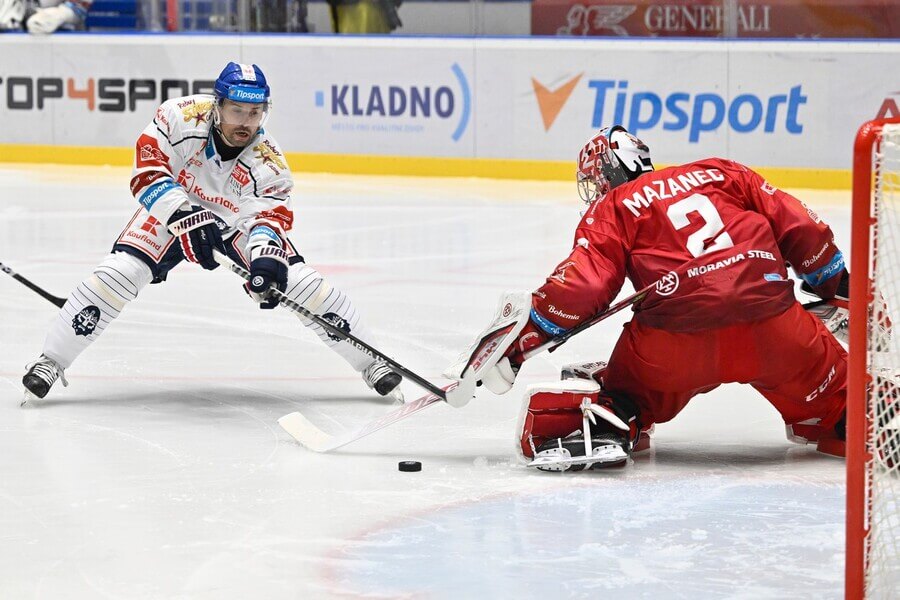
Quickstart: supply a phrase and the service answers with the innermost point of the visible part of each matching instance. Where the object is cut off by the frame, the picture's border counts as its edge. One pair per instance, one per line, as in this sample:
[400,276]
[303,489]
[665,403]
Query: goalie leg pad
[93,305]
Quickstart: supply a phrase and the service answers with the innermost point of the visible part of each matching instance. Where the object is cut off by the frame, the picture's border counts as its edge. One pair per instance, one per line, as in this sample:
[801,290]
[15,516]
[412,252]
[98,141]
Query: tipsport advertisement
[784,104]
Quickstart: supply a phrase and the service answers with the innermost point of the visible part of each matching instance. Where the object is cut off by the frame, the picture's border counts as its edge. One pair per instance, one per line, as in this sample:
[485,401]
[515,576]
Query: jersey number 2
[709,238]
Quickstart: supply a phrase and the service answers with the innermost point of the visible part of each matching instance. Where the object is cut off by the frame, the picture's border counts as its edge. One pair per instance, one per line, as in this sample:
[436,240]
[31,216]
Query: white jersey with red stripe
[176,163]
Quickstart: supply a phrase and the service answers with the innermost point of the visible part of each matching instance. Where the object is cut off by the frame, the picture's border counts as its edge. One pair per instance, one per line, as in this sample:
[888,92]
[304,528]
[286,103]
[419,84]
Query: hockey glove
[48,20]
[501,377]
[198,233]
[833,312]
[835,315]
[268,266]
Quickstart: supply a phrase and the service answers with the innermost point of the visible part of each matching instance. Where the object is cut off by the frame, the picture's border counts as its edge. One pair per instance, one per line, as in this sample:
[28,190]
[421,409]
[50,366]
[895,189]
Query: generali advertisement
[717,18]
[787,104]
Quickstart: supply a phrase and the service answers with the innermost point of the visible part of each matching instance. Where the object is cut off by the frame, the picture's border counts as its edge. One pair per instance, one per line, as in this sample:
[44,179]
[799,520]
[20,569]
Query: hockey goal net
[873,408]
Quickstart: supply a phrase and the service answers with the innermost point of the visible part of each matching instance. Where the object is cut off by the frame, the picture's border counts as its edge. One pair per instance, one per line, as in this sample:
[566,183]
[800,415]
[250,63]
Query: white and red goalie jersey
[176,164]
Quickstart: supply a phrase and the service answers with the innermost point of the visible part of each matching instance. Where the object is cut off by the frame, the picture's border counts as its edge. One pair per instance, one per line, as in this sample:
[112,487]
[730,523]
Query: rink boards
[499,107]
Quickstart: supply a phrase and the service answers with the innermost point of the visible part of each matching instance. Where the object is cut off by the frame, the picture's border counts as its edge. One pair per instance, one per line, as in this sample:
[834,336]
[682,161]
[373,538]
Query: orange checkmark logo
[550,102]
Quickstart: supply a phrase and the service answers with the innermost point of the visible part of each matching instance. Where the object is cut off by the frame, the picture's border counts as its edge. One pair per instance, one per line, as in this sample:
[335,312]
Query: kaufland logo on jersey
[696,112]
[398,108]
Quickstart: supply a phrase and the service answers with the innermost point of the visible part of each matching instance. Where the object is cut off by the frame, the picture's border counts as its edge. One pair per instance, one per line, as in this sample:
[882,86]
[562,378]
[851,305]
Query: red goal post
[873,425]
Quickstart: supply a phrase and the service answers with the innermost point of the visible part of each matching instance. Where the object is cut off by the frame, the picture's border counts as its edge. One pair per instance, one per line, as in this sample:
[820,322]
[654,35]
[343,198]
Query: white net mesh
[883,350]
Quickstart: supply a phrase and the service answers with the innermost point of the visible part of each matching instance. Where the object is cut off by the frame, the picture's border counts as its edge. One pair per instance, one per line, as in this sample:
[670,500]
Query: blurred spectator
[364,16]
[279,15]
[44,16]
[12,14]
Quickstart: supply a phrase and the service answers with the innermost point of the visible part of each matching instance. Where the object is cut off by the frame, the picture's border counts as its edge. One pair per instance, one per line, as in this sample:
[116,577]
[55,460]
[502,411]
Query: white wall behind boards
[777,104]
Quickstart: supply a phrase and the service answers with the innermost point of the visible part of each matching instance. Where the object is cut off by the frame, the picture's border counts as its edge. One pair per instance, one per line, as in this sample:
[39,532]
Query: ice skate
[570,453]
[379,377]
[41,376]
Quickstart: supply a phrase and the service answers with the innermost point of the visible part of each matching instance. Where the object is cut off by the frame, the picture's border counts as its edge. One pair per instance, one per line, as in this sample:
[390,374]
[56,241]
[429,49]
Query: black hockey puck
[410,466]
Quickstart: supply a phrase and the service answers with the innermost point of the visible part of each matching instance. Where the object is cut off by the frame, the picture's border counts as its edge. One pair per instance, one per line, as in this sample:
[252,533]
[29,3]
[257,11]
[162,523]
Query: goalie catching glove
[834,312]
[268,266]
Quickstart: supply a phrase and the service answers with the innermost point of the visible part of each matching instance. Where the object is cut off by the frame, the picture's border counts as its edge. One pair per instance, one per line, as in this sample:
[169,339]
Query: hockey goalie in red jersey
[717,239]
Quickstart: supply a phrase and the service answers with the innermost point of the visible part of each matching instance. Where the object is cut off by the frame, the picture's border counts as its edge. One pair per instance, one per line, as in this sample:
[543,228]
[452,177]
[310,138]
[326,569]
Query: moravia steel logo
[399,108]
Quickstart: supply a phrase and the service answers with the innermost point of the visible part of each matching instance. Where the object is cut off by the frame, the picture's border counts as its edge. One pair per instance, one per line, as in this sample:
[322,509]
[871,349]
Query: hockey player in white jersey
[43,16]
[207,176]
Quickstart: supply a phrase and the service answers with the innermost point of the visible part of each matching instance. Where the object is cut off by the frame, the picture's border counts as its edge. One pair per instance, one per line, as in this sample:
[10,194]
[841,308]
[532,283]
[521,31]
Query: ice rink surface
[160,472]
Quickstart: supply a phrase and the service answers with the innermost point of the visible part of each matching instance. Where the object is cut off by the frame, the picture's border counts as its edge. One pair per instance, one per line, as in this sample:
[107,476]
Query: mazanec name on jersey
[665,189]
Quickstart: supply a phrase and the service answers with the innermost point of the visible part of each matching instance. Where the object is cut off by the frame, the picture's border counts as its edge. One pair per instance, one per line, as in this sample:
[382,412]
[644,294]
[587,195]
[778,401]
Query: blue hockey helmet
[242,83]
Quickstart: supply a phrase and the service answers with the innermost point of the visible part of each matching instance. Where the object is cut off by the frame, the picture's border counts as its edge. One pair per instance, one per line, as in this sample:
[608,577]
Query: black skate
[41,376]
[568,454]
[383,380]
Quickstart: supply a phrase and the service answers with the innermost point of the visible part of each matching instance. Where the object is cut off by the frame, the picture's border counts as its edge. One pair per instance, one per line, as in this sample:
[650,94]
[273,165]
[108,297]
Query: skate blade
[605,455]
[26,397]
[397,395]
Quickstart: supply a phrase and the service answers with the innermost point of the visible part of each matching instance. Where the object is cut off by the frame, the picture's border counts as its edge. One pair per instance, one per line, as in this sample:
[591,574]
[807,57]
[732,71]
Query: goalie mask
[12,14]
[609,159]
[631,152]
[599,171]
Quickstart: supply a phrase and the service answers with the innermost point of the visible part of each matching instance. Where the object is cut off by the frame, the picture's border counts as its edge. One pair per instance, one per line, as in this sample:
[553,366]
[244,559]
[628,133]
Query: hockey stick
[554,343]
[351,339]
[317,440]
[33,287]
[313,438]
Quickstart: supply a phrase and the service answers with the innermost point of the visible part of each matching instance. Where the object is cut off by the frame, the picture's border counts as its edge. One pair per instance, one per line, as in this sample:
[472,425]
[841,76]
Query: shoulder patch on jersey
[269,155]
[198,111]
[149,154]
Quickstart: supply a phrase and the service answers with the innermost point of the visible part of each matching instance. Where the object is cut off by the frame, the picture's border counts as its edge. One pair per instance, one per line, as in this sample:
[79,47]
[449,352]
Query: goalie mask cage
[873,422]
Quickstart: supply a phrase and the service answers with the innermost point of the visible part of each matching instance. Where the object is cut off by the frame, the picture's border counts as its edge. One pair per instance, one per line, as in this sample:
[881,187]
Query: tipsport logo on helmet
[246,94]
[382,108]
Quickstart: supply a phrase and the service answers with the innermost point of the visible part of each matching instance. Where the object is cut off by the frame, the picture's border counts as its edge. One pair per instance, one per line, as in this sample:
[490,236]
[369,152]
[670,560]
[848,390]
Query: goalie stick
[554,343]
[33,287]
[357,343]
[313,438]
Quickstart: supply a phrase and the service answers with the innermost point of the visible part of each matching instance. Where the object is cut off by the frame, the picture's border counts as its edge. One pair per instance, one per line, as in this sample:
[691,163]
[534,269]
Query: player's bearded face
[239,121]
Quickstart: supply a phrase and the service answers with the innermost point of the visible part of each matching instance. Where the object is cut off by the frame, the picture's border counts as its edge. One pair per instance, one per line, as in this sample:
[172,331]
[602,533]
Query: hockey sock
[308,288]
[93,305]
